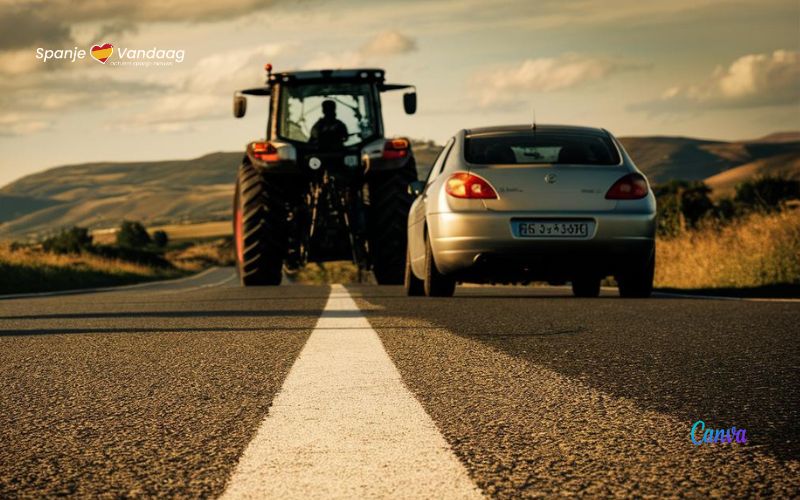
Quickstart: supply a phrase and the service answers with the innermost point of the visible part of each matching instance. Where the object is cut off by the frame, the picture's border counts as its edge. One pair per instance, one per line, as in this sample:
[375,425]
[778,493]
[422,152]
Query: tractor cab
[326,118]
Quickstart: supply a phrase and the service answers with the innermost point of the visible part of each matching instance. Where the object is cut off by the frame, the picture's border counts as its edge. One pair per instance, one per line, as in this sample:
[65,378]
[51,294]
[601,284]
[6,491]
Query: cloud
[23,26]
[18,62]
[62,92]
[12,124]
[752,80]
[384,44]
[40,22]
[546,74]
[389,43]
[205,92]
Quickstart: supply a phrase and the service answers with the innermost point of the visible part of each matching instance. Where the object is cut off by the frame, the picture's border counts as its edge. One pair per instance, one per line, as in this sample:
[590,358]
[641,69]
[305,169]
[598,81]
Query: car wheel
[435,283]
[586,287]
[413,285]
[637,280]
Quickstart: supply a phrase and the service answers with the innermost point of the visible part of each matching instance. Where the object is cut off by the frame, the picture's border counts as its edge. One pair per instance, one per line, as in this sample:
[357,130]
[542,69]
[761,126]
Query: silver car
[516,204]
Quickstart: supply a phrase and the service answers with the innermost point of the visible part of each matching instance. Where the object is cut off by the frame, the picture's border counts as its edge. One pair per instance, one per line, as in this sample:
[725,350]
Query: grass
[200,255]
[188,232]
[33,270]
[343,272]
[756,251]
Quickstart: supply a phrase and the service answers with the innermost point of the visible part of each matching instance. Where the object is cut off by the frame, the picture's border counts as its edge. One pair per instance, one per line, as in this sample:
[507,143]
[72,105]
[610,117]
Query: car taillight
[630,187]
[395,149]
[464,185]
[263,151]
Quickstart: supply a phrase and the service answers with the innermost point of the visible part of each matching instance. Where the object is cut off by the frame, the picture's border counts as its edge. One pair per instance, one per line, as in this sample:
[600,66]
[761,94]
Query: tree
[681,204]
[160,238]
[766,193]
[132,235]
[72,240]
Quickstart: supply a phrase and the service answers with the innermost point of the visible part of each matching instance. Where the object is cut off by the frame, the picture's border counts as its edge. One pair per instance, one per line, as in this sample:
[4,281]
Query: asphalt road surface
[199,388]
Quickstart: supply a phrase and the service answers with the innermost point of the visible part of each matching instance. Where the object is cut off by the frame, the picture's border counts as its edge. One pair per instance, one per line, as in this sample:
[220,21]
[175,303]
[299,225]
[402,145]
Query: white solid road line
[345,426]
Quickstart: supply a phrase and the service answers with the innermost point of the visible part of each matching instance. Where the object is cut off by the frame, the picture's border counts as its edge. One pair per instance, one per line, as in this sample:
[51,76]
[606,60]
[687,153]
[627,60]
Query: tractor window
[333,114]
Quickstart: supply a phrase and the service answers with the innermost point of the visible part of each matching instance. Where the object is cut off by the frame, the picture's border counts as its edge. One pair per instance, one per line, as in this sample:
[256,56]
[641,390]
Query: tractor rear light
[471,186]
[630,187]
[263,151]
[395,149]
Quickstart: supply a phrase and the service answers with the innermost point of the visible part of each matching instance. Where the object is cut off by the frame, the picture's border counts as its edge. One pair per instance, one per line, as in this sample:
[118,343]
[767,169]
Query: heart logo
[102,52]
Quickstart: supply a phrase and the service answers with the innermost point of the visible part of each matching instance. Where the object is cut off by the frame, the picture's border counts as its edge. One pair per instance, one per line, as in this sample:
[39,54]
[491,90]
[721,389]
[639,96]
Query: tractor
[325,184]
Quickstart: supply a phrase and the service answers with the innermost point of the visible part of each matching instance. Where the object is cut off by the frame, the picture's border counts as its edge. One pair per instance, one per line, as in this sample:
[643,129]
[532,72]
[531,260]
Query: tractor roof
[355,75]
[367,75]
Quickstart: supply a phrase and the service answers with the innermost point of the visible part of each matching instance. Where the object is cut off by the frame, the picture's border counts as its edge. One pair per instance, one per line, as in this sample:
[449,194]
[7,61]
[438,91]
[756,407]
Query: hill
[724,183]
[666,158]
[100,195]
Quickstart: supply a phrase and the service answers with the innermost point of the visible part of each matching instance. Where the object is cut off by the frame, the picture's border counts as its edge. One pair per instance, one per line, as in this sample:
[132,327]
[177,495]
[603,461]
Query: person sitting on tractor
[329,131]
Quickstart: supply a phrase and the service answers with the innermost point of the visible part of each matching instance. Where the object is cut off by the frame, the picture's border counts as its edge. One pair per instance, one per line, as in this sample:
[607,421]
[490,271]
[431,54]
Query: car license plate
[552,229]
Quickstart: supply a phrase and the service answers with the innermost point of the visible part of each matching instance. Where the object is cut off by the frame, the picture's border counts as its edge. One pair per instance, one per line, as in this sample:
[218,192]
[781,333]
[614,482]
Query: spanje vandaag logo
[101,53]
[106,53]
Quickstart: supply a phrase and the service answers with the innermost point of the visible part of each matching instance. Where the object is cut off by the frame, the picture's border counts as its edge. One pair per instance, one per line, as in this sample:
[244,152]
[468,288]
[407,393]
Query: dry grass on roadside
[202,255]
[343,272]
[759,250]
[32,270]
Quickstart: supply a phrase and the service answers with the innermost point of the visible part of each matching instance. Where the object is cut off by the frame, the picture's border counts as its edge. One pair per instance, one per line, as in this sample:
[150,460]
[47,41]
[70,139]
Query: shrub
[72,240]
[681,205]
[160,239]
[766,193]
[132,234]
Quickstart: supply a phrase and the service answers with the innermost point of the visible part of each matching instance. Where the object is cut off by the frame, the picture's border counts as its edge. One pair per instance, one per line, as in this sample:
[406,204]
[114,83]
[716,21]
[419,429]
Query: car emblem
[314,163]
[550,178]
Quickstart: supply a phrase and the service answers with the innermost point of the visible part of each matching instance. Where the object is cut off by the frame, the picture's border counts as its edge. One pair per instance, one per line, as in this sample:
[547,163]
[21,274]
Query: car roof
[539,128]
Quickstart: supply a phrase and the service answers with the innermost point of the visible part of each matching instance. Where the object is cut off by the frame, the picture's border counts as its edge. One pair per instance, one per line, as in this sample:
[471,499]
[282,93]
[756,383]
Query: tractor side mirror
[239,105]
[410,102]
[416,188]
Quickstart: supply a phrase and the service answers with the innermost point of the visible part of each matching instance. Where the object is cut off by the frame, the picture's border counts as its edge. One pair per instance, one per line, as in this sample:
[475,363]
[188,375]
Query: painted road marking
[344,425]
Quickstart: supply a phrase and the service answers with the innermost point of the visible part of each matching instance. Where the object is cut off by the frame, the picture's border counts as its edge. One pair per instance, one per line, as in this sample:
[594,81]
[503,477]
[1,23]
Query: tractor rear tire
[387,222]
[259,229]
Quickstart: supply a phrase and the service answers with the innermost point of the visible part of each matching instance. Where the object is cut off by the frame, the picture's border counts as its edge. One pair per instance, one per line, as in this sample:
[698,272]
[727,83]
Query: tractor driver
[329,131]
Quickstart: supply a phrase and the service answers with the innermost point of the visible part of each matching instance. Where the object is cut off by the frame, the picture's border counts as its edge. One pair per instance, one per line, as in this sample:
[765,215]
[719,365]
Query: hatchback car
[516,204]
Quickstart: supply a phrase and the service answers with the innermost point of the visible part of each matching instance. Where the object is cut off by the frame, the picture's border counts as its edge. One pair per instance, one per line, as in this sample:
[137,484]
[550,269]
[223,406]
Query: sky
[715,69]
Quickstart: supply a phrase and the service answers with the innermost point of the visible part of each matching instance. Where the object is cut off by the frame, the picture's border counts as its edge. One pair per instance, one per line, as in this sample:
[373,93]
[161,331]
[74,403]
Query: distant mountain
[780,137]
[665,158]
[100,195]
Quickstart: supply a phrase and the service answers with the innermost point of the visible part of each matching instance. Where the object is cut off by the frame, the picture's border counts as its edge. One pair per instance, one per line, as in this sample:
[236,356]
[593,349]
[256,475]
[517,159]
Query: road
[199,388]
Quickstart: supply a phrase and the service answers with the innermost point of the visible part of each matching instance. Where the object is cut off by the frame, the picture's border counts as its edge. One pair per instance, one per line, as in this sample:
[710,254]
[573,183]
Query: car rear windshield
[529,147]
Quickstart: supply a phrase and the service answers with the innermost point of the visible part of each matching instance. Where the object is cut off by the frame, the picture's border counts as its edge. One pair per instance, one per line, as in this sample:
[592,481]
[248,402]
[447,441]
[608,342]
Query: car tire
[414,286]
[435,283]
[586,287]
[637,280]
[387,219]
[259,230]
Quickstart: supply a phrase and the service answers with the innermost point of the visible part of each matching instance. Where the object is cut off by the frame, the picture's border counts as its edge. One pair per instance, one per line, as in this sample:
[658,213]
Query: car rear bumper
[480,246]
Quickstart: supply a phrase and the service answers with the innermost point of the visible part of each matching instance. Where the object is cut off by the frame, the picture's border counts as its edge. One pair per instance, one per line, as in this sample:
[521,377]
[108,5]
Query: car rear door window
[529,147]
